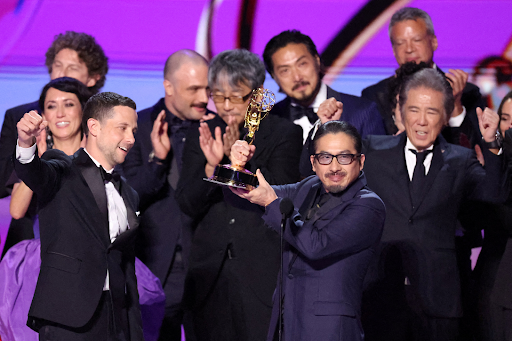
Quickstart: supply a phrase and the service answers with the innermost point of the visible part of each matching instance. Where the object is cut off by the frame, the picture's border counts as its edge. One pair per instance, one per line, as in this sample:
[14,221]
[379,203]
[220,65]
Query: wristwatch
[496,143]
[153,158]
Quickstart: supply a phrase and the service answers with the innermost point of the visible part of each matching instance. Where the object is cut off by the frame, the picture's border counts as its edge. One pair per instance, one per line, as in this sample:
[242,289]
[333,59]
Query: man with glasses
[234,260]
[153,168]
[330,238]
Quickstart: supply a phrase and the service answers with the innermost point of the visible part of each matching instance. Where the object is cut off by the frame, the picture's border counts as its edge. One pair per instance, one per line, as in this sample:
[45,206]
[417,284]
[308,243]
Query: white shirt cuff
[25,155]
[457,120]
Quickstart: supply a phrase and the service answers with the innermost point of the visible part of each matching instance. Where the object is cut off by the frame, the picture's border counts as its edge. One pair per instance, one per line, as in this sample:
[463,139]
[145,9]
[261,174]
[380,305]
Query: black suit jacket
[471,99]
[359,112]
[162,222]
[424,235]
[8,137]
[75,245]
[221,227]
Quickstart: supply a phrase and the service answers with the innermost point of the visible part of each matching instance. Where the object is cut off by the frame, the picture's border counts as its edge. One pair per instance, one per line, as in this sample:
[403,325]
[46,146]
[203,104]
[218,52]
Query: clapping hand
[159,136]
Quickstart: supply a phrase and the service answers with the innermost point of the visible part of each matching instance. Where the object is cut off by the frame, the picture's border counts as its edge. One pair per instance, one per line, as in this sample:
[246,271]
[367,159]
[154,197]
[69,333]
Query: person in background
[233,261]
[153,168]
[71,54]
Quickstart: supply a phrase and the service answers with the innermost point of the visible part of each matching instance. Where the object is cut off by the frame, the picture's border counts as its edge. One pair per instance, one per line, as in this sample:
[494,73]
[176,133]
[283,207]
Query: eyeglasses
[232,99]
[343,159]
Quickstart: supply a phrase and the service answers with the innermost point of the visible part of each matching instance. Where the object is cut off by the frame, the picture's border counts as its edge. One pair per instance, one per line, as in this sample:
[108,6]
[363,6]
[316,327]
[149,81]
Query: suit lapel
[435,167]
[92,177]
[400,177]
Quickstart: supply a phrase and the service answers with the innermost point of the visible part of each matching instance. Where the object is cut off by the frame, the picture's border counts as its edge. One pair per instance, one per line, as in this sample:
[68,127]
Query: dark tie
[113,177]
[319,202]
[418,176]
[297,112]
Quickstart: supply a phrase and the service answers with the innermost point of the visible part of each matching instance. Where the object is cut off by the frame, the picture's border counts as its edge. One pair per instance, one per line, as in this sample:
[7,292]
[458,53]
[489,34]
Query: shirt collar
[97,163]
[409,146]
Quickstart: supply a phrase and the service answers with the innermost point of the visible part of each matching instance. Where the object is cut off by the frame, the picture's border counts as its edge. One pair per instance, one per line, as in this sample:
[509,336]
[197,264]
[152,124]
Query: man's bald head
[186,84]
[178,58]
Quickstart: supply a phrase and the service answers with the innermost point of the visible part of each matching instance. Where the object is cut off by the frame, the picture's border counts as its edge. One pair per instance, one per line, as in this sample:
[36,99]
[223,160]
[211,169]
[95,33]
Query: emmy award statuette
[262,101]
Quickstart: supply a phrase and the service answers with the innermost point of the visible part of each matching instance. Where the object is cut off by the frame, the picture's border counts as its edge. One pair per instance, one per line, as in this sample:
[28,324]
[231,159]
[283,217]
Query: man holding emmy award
[336,223]
[234,260]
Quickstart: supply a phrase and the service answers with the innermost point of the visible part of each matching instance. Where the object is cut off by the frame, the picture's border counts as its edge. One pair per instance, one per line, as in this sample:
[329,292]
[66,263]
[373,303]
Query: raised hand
[457,79]
[29,127]
[231,135]
[330,110]
[159,137]
[241,153]
[488,121]
[262,195]
[213,148]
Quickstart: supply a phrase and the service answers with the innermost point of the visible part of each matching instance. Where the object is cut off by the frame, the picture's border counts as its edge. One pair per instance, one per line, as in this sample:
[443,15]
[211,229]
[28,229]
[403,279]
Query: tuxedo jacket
[75,245]
[359,112]
[162,223]
[471,99]
[424,234]
[325,259]
[8,137]
[225,233]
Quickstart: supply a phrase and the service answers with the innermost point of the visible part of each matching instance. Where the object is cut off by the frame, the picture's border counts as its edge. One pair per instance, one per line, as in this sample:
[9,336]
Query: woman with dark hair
[62,101]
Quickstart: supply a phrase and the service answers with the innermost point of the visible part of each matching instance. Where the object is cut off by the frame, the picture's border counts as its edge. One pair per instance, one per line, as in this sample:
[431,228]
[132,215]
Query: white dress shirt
[117,214]
[410,158]
[304,121]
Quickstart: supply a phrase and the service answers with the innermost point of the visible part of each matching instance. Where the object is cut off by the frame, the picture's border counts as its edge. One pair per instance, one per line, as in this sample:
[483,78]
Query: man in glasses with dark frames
[330,238]
[153,168]
[234,260]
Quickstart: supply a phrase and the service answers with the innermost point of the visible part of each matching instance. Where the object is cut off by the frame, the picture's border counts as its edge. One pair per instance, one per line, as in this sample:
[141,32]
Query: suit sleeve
[43,176]
[356,228]
[194,195]
[487,183]
[8,138]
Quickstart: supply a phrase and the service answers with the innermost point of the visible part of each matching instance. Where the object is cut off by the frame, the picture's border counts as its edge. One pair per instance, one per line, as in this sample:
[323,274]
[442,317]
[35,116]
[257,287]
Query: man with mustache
[331,237]
[153,168]
[86,289]
[291,58]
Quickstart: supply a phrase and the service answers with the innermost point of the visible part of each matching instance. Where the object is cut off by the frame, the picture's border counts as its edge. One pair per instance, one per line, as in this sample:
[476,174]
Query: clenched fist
[29,127]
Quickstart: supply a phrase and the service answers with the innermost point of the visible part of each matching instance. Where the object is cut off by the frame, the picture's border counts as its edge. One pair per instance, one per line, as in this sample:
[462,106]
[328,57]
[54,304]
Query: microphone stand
[281,277]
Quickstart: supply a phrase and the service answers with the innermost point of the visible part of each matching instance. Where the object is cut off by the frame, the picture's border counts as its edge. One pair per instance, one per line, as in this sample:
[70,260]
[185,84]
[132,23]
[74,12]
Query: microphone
[286,207]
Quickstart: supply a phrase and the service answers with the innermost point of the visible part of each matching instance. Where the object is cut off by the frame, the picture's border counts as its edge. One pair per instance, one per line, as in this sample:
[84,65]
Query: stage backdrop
[138,36]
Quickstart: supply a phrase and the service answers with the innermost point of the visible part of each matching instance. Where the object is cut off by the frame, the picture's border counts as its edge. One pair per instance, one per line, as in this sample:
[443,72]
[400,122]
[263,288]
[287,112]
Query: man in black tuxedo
[234,260]
[291,58]
[412,287]
[72,54]
[86,289]
[413,39]
[153,167]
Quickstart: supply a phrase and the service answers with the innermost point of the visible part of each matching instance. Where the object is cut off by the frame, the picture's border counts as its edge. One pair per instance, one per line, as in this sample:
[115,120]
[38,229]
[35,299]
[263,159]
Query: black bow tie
[297,112]
[113,177]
